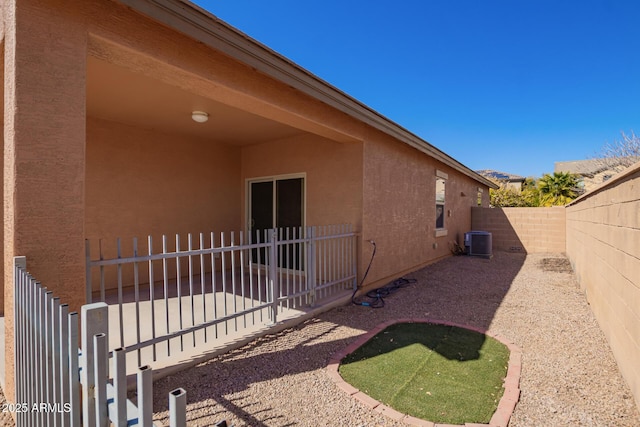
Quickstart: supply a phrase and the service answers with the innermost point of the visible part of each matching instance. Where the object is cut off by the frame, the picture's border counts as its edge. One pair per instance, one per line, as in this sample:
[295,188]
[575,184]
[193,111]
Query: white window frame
[441,176]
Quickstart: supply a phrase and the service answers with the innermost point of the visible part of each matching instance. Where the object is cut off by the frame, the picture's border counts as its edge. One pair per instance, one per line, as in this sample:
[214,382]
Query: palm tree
[557,189]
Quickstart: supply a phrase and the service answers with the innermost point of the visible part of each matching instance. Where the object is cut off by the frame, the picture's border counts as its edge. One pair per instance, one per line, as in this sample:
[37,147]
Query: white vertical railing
[49,365]
[311,266]
[220,285]
[274,289]
[94,321]
[46,355]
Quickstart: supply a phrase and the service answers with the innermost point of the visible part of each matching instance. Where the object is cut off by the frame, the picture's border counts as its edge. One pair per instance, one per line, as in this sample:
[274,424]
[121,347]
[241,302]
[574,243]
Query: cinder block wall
[522,229]
[603,244]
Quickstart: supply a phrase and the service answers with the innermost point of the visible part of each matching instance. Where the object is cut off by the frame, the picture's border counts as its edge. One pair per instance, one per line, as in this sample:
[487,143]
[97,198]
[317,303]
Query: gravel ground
[569,376]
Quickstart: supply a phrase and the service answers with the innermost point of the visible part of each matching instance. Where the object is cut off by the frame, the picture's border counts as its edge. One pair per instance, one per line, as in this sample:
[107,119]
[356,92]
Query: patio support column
[44,152]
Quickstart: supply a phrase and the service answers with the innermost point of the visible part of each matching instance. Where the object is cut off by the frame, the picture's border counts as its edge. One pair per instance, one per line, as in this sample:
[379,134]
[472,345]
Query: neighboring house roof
[588,167]
[594,172]
[205,27]
[625,174]
[500,176]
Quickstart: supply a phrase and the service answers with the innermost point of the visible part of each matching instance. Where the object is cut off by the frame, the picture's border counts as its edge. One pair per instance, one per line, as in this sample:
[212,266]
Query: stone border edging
[500,417]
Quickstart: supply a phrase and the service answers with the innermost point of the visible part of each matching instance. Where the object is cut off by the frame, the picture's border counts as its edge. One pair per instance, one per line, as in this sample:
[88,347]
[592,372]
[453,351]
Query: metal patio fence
[57,383]
[197,289]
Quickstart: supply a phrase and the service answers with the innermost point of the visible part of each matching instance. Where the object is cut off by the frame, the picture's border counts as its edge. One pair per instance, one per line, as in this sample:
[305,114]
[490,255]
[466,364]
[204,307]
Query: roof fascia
[205,27]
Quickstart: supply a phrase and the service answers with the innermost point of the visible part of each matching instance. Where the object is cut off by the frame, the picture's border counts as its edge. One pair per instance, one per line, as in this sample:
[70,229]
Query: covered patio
[151,170]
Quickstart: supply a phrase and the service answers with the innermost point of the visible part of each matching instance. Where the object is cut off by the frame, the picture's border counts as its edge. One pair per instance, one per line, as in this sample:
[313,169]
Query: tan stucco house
[591,173]
[504,179]
[99,141]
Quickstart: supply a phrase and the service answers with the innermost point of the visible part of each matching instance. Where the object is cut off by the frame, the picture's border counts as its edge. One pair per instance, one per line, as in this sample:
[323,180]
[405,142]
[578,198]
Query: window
[440,202]
[441,179]
[480,196]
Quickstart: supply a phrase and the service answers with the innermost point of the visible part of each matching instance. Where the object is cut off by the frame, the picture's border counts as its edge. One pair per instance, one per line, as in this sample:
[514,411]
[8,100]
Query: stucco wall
[527,230]
[399,208]
[603,244]
[140,182]
[44,141]
[2,156]
[333,175]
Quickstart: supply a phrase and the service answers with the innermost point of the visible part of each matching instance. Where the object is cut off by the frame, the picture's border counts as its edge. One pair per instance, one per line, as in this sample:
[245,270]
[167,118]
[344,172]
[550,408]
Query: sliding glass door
[277,203]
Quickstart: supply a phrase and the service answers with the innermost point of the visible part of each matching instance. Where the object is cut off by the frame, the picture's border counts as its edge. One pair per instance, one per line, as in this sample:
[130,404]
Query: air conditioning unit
[478,243]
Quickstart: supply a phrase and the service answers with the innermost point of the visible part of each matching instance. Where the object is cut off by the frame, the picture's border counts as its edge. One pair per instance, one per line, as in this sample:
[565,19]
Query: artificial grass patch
[440,373]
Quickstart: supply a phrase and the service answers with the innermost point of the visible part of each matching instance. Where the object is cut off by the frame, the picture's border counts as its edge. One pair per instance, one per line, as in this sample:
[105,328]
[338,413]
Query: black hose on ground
[376,296]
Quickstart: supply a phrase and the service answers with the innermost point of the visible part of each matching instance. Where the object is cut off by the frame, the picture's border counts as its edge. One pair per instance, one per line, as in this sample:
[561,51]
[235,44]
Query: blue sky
[511,85]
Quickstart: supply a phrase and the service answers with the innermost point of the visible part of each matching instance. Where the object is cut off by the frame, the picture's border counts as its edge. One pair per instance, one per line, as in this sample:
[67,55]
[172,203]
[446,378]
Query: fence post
[273,273]
[65,393]
[354,258]
[74,382]
[145,396]
[178,408]
[101,370]
[120,386]
[21,313]
[311,264]
[49,372]
[20,261]
[57,368]
[47,361]
[94,321]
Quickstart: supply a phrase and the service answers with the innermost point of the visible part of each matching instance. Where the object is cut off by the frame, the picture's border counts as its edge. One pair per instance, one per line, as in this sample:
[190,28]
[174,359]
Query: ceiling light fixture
[200,116]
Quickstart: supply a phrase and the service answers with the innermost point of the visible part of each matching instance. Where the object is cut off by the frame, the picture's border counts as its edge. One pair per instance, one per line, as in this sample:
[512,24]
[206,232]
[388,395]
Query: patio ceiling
[117,94]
